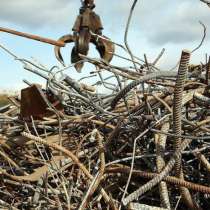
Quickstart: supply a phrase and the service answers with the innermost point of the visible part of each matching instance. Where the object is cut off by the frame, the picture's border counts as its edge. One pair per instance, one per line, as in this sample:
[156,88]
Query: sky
[156,24]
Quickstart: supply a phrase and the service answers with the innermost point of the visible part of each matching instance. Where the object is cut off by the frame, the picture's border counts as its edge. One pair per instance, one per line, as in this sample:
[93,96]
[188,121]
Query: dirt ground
[3,100]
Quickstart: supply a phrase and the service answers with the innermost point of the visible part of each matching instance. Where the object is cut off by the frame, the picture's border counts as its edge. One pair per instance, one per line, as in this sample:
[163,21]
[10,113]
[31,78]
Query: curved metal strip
[81,47]
[75,58]
[105,48]
[66,39]
[83,40]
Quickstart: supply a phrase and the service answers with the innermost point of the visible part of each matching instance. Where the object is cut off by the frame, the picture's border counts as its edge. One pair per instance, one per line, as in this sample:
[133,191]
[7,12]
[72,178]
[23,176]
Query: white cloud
[180,23]
[36,14]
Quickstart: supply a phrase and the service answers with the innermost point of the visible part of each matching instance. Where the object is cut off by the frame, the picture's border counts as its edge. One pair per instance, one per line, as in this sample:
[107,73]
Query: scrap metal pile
[141,143]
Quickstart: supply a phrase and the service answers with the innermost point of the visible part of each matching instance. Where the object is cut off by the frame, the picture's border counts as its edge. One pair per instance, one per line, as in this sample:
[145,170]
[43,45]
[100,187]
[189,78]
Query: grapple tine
[66,39]
[78,66]
[109,49]
[105,48]
[75,58]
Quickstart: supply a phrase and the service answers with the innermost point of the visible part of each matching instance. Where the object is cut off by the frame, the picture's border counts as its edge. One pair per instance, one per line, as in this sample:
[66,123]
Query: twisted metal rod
[100,174]
[135,83]
[160,162]
[149,185]
[168,179]
[177,123]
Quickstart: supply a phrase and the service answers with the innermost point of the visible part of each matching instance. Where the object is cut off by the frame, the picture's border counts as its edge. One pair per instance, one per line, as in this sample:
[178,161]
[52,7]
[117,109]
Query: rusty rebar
[133,196]
[160,147]
[177,120]
[169,179]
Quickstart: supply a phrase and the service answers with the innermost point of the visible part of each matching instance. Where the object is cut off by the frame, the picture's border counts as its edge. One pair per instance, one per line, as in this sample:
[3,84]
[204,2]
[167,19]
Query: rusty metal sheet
[35,103]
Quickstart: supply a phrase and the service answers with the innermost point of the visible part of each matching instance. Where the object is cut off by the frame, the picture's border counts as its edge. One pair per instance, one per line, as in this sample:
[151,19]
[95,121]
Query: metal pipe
[33,37]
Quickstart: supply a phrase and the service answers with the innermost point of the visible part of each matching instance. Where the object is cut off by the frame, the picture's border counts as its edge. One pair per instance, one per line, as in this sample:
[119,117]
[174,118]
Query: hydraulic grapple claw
[87,22]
